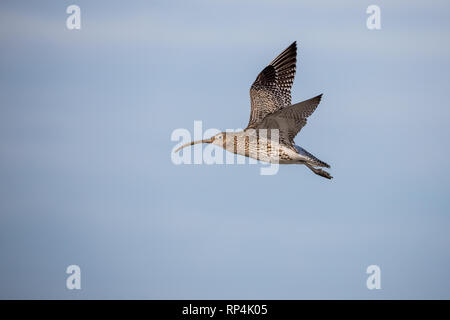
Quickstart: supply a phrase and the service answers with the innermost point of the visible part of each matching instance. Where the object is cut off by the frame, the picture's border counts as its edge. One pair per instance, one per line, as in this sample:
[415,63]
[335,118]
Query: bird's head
[218,139]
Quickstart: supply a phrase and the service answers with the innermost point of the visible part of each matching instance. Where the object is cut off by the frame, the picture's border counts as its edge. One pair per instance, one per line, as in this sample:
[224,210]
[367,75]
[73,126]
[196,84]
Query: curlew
[274,121]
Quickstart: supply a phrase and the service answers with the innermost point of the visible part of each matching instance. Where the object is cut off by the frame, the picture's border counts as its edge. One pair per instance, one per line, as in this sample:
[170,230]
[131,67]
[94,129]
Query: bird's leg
[319,172]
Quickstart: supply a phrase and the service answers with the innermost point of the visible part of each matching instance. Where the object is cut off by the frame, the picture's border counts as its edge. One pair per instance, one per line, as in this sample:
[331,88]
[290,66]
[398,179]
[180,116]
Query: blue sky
[86,175]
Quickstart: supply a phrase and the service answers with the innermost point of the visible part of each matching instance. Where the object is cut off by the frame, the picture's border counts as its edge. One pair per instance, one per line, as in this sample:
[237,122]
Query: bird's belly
[267,153]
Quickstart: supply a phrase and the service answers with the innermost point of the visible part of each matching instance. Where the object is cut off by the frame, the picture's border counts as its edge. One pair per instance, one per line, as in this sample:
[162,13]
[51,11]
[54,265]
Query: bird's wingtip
[319,97]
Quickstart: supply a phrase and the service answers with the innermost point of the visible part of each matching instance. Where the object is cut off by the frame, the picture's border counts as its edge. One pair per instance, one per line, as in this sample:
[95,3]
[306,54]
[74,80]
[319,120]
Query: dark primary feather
[271,90]
[290,120]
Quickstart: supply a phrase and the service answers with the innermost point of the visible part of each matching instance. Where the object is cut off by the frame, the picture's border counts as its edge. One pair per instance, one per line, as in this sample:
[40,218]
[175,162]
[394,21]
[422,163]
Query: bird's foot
[323,173]
[319,172]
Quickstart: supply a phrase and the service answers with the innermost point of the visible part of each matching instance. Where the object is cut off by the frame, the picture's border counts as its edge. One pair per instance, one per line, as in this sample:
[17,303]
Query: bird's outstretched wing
[271,90]
[290,120]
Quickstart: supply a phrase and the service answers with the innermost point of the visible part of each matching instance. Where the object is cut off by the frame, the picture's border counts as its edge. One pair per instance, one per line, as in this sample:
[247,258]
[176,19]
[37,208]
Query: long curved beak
[195,142]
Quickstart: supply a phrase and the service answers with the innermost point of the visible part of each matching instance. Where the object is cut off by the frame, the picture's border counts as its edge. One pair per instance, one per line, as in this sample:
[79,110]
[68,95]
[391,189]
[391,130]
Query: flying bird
[274,121]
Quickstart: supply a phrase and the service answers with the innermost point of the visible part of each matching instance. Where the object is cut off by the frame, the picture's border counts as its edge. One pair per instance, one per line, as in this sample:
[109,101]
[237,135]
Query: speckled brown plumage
[271,109]
[272,88]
